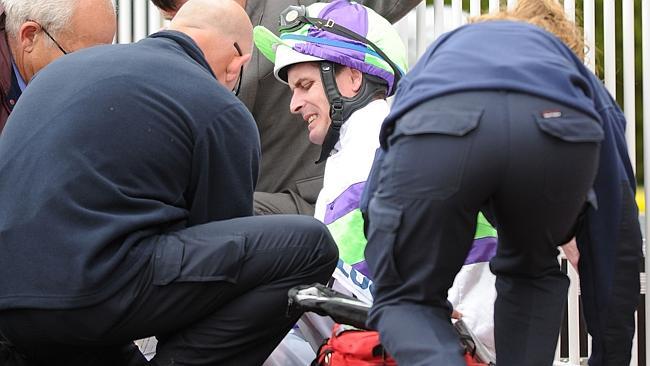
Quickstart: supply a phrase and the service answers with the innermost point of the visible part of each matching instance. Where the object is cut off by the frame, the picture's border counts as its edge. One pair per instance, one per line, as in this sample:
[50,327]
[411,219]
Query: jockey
[341,60]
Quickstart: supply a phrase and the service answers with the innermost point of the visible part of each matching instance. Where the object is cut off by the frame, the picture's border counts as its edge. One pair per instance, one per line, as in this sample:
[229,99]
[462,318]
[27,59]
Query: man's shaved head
[168,8]
[224,17]
[215,26]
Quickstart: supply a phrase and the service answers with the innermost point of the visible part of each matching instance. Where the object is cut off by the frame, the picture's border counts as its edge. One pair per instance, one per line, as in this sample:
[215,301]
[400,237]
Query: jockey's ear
[357,79]
[349,81]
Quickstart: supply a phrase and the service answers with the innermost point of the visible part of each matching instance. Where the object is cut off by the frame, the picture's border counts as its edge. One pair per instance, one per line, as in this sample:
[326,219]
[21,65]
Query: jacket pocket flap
[447,122]
[572,128]
[216,258]
[384,218]
[168,258]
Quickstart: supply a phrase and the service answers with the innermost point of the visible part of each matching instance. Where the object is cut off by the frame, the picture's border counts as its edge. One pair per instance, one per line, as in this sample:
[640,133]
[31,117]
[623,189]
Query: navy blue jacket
[108,146]
[515,56]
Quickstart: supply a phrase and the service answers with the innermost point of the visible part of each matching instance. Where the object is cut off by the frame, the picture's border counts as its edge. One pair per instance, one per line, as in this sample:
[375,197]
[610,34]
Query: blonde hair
[546,14]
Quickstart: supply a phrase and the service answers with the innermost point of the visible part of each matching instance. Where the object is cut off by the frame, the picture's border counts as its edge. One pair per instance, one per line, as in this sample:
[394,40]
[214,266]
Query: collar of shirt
[21,82]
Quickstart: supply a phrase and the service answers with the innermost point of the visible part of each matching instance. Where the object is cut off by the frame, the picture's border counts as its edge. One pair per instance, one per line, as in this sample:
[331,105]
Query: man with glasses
[34,33]
[289,179]
[127,202]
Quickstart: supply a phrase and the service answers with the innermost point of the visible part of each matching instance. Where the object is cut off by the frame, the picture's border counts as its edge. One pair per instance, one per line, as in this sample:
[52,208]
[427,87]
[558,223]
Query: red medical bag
[349,346]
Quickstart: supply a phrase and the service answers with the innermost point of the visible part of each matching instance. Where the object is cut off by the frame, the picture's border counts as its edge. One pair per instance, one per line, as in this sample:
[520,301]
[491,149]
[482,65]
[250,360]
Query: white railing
[138,18]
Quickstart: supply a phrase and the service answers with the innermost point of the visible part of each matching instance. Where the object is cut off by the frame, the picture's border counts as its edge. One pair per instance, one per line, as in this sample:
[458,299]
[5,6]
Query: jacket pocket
[199,259]
[580,128]
[453,122]
[168,257]
[380,250]
[419,135]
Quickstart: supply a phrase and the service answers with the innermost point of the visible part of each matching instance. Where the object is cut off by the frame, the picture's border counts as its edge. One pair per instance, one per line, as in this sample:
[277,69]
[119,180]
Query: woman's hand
[571,253]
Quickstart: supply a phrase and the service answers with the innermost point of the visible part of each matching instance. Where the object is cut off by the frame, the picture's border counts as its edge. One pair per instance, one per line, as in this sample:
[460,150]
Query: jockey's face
[309,98]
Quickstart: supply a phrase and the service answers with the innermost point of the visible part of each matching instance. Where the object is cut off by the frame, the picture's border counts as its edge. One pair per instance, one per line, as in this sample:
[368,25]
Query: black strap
[340,107]
[336,110]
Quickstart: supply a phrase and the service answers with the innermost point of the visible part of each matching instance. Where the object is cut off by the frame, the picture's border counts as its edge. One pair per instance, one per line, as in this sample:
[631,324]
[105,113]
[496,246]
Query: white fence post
[573,316]
[124,34]
[438,18]
[494,6]
[420,29]
[589,16]
[570,9]
[629,93]
[609,34]
[474,8]
[645,30]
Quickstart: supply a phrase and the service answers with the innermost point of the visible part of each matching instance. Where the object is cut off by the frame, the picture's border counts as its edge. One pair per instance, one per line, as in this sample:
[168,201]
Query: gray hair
[53,15]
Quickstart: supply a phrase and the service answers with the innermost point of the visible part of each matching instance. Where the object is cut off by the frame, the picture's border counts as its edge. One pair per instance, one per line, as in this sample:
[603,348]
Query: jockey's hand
[455,314]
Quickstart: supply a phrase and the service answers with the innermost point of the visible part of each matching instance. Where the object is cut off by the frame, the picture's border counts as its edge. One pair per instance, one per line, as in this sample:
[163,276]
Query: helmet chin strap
[341,107]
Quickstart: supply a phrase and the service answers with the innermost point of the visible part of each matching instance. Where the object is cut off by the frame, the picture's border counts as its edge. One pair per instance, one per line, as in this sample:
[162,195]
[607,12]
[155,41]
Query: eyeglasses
[241,70]
[49,35]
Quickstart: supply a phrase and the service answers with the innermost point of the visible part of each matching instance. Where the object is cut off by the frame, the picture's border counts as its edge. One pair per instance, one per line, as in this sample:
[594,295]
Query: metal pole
[155,19]
[570,9]
[629,93]
[573,318]
[474,8]
[139,20]
[589,11]
[609,33]
[456,13]
[438,18]
[645,30]
[124,22]
[494,6]
[420,29]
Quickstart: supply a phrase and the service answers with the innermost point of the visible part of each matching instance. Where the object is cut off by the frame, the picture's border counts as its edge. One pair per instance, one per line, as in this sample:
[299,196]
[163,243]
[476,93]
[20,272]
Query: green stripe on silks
[347,231]
[483,228]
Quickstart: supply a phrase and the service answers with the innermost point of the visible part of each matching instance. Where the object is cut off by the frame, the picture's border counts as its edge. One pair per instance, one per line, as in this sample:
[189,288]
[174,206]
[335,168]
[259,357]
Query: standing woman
[502,116]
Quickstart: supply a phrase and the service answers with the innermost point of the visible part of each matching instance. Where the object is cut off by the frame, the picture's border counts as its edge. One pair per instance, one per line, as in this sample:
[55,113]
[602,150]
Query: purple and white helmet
[301,41]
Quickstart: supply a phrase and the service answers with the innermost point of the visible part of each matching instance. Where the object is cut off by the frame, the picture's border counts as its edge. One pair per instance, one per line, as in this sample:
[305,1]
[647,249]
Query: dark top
[141,140]
[499,55]
[515,56]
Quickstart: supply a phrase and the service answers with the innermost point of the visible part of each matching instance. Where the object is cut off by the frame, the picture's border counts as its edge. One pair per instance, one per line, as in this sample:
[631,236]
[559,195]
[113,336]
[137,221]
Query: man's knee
[317,234]
[314,235]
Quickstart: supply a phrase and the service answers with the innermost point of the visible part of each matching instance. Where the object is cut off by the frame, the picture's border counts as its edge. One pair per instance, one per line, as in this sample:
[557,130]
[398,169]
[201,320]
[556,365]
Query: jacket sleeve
[390,9]
[224,168]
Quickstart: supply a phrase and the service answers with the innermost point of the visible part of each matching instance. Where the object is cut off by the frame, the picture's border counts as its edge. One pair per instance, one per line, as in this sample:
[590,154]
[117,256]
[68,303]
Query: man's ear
[27,35]
[357,79]
[234,67]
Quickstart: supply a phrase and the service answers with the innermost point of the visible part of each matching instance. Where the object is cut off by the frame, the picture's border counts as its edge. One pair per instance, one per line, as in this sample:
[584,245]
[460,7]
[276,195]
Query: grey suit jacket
[287,155]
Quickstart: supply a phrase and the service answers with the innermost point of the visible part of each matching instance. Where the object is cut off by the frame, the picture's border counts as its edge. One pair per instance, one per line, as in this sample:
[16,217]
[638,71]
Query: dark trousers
[529,163]
[214,294]
[609,282]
